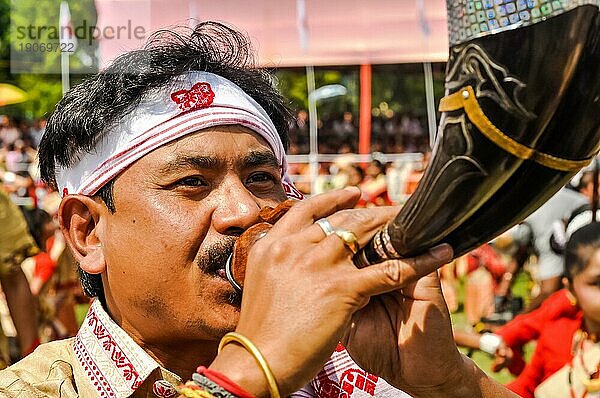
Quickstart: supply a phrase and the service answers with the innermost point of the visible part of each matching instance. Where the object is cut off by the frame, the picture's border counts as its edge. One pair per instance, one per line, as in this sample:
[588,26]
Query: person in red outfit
[579,377]
[374,185]
[506,343]
[553,325]
[557,325]
[42,228]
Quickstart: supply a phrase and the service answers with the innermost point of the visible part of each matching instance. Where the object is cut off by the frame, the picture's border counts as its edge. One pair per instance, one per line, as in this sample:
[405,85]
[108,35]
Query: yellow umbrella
[10,94]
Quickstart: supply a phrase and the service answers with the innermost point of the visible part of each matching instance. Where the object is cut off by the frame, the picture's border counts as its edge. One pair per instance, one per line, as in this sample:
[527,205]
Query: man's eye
[261,178]
[191,182]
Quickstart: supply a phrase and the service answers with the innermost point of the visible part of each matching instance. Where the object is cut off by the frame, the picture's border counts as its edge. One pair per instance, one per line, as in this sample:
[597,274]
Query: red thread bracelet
[224,382]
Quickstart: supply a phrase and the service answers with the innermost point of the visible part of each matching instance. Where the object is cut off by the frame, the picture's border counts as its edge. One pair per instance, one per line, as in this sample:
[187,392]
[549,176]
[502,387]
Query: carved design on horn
[471,65]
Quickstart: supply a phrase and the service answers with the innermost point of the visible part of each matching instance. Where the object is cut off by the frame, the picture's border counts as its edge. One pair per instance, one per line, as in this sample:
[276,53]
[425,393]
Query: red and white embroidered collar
[114,363]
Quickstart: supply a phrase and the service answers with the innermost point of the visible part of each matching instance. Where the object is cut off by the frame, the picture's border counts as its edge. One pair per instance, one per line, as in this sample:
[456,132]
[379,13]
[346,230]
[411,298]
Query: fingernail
[442,252]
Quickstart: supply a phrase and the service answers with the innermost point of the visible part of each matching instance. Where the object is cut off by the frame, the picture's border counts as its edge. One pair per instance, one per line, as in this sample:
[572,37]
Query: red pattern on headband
[199,96]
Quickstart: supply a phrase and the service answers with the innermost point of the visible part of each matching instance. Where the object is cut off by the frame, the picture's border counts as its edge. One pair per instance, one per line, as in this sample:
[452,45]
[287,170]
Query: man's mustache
[215,257]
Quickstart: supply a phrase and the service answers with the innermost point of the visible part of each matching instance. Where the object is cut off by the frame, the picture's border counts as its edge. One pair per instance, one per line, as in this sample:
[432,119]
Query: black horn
[519,118]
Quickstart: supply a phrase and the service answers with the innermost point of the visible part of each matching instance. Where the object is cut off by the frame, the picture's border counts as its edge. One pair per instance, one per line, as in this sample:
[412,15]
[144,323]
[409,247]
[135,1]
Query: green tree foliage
[401,87]
[292,83]
[4,42]
[398,87]
[24,26]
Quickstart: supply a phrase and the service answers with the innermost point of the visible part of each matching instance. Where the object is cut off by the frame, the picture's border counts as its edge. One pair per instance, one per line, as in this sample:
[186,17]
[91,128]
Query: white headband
[194,101]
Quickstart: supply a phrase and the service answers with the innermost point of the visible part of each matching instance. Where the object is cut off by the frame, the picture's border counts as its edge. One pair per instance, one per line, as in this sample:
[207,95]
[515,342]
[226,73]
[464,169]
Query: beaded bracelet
[210,386]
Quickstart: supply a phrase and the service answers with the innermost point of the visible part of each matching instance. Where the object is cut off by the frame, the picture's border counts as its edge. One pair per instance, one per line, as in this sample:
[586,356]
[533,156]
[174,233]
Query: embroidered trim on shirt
[96,377]
[115,364]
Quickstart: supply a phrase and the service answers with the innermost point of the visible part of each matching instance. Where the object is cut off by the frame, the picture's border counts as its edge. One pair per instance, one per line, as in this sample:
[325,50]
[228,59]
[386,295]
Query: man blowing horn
[163,160]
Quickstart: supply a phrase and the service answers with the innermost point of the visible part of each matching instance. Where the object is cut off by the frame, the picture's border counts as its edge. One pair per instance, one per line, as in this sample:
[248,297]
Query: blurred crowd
[338,133]
[38,275]
[382,183]
[18,152]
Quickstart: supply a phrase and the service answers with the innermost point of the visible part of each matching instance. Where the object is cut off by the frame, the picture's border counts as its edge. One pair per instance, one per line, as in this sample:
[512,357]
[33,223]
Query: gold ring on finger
[349,239]
[325,226]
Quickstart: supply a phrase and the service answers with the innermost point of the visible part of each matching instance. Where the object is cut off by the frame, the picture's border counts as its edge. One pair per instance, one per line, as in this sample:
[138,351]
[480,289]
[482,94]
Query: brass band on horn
[465,98]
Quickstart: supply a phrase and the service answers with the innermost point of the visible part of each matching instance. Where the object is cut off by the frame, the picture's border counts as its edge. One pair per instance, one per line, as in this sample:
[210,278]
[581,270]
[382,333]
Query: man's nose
[237,210]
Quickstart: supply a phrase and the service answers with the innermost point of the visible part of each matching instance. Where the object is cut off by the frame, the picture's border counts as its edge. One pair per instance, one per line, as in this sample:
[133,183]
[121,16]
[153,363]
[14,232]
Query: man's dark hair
[581,248]
[88,111]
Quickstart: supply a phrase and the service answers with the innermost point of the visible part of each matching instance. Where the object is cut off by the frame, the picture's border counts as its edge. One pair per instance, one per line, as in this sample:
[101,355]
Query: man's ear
[79,216]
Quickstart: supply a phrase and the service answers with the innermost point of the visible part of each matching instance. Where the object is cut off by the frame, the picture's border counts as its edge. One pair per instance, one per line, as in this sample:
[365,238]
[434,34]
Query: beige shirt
[15,241]
[101,361]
